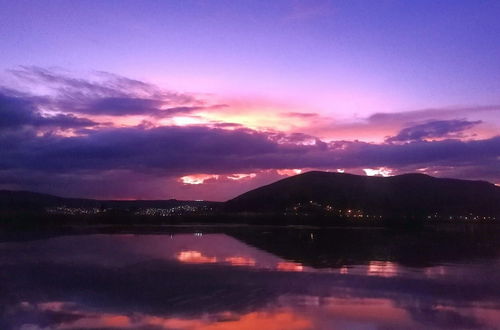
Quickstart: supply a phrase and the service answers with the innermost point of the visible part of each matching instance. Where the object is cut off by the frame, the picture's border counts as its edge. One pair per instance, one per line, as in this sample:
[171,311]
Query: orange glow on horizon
[289,172]
[239,176]
[381,171]
[198,178]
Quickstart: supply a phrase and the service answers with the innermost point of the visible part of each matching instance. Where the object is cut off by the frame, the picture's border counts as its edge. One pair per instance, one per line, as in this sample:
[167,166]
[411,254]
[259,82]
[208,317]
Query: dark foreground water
[252,278]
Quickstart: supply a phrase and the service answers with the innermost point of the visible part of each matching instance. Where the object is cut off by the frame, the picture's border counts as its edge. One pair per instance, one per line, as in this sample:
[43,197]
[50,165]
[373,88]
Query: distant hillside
[412,194]
[25,200]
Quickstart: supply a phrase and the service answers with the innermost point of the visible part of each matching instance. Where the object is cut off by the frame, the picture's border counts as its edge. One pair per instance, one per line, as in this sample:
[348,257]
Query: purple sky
[207,99]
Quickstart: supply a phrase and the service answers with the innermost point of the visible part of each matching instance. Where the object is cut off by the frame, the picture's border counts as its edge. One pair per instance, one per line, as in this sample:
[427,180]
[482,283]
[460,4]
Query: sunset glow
[249,101]
[380,171]
[289,172]
[198,178]
[249,164]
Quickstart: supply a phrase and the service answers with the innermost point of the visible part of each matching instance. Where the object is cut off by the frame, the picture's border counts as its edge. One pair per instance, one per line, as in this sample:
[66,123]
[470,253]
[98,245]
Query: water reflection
[246,279]
[194,257]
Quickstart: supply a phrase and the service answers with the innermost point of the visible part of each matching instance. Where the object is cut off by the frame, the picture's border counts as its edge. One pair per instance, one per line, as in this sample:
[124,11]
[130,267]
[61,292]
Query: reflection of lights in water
[289,266]
[240,261]
[328,300]
[194,257]
[382,268]
[344,270]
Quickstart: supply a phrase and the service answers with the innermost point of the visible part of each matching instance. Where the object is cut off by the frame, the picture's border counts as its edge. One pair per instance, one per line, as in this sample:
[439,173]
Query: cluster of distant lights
[345,213]
[470,216]
[164,212]
[161,212]
[74,210]
[298,209]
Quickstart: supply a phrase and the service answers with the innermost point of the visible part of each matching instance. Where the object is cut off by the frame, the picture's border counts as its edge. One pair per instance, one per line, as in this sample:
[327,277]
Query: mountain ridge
[407,193]
[22,199]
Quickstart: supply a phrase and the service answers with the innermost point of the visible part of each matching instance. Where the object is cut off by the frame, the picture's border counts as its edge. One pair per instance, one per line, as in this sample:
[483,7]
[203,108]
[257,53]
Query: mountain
[26,200]
[408,194]
[314,192]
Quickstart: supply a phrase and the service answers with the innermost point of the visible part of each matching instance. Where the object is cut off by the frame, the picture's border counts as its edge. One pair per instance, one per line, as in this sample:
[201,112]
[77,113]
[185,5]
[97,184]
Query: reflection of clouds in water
[289,266]
[120,250]
[275,318]
[289,312]
[194,257]
[346,312]
[240,261]
[152,288]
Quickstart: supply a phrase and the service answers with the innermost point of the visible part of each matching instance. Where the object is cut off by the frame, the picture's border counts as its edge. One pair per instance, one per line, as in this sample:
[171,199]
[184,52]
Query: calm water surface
[258,278]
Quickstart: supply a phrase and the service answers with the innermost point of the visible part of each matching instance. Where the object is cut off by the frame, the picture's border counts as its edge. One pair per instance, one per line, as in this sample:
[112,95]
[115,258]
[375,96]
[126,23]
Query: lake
[240,277]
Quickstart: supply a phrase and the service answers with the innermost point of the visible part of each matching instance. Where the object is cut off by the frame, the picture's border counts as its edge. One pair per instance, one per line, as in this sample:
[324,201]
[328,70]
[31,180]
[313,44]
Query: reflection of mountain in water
[340,247]
[146,287]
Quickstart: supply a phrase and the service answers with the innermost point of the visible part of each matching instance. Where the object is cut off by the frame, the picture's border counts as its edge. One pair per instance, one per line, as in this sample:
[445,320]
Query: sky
[208,99]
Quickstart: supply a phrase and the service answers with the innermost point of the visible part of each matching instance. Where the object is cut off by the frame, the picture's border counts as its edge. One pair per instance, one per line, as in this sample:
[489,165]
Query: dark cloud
[106,84]
[109,95]
[120,106]
[124,106]
[193,149]
[433,129]
[429,114]
[30,145]
[17,112]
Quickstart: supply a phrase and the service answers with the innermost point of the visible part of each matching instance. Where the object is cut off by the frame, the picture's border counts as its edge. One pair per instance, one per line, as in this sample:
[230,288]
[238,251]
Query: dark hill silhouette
[409,194]
[26,200]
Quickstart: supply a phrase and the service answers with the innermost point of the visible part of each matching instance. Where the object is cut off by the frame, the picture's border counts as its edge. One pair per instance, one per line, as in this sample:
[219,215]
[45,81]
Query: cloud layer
[433,129]
[57,140]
